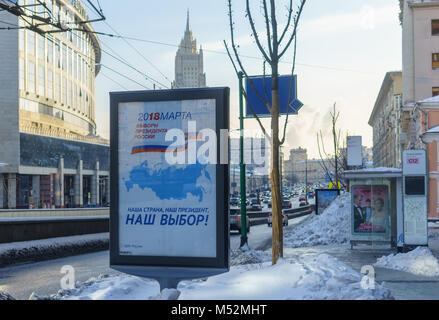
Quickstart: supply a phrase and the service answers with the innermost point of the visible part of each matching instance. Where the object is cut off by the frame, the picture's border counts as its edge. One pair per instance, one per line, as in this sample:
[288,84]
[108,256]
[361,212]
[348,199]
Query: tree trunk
[277,231]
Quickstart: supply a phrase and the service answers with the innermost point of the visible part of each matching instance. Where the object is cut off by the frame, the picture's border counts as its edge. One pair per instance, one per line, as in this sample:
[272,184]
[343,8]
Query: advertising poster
[370,210]
[167,186]
[324,198]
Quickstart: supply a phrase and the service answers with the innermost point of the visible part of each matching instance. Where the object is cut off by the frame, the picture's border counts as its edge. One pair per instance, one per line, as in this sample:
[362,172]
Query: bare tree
[334,163]
[277,44]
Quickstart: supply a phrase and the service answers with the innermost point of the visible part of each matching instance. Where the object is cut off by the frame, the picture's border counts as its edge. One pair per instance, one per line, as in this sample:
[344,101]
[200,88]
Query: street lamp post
[306,179]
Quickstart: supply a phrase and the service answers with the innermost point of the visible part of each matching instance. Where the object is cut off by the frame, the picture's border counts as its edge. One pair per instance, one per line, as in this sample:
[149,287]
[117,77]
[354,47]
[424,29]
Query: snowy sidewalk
[403,285]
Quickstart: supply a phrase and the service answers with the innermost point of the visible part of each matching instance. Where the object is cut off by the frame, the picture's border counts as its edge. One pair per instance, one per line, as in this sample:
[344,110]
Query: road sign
[168,221]
[265,91]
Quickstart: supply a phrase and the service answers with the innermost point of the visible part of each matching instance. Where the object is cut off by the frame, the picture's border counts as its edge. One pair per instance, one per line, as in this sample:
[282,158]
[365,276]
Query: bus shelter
[376,206]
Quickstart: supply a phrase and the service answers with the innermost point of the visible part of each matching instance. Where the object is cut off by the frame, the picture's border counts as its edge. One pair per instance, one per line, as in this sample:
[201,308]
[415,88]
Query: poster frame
[317,191]
[158,266]
[371,236]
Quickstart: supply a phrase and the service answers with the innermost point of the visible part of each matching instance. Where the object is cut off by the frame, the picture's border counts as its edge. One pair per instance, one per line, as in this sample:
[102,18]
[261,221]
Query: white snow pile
[331,227]
[309,278]
[245,255]
[419,261]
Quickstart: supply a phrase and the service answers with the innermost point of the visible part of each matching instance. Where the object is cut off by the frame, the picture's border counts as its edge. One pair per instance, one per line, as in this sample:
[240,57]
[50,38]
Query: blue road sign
[265,91]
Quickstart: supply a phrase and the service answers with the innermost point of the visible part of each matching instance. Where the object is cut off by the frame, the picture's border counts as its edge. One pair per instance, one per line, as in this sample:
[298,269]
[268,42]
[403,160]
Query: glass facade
[41,151]
[58,70]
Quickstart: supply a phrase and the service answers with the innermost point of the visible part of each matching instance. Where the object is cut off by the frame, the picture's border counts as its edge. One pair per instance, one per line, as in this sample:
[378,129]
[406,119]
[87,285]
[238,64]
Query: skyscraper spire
[187,21]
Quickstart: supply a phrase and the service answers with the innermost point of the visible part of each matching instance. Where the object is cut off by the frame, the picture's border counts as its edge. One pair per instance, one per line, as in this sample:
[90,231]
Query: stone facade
[189,66]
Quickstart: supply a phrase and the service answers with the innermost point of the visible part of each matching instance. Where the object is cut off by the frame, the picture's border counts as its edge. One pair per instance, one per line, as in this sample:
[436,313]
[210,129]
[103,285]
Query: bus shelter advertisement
[370,212]
[167,185]
[324,198]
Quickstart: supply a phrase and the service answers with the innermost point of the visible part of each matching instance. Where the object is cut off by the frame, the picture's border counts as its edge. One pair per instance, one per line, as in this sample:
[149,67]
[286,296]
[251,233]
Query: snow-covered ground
[331,227]
[311,277]
[252,275]
[419,261]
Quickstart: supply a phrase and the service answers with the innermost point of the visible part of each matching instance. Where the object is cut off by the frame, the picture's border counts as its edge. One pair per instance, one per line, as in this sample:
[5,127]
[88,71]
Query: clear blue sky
[344,50]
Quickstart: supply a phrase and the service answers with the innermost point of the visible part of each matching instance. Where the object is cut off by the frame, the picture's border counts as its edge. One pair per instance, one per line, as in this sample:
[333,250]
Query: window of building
[70,95]
[435,91]
[75,65]
[75,94]
[64,57]
[31,77]
[64,90]
[70,61]
[30,42]
[58,54]
[57,88]
[435,27]
[41,80]
[49,51]
[21,74]
[435,61]
[41,47]
[49,84]
[21,39]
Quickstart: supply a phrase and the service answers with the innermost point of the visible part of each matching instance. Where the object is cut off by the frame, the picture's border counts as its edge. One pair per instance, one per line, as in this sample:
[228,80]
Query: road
[44,278]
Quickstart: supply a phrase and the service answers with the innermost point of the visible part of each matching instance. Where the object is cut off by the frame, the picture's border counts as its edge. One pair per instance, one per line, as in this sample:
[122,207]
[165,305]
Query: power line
[111,69]
[116,82]
[144,58]
[123,61]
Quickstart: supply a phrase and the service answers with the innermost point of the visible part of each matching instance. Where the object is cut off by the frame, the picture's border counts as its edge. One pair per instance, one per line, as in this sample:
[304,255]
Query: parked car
[235,220]
[302,198]
[286,204]
[234,202]
[303,203]
[284,220]
[254,205]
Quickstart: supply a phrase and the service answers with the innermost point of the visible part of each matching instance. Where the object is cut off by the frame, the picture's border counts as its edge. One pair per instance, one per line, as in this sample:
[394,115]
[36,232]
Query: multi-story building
[420,49]
[189,67]
[49,150]
[296,155]
[312,170]
[385,121]
[256,160]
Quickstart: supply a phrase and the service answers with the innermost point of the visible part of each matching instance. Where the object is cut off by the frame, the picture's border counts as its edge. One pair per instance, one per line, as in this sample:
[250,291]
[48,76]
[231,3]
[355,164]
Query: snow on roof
[433,130]
[373,170]
[434,99]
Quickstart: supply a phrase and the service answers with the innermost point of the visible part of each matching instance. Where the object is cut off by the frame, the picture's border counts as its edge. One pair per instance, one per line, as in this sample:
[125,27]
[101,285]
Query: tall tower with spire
[189,68]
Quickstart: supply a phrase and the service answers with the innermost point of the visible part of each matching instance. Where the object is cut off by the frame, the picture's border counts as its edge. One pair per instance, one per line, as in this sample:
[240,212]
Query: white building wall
[9,121]
[418,45]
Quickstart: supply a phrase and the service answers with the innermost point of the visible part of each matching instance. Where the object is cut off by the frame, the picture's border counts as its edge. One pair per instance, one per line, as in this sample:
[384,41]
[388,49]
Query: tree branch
[287,26]
[296,23]
[255,33]
[267,104]
[289,93]
[267,26]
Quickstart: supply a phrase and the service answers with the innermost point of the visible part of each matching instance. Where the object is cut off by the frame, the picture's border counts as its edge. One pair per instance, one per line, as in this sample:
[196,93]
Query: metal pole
[306,179]
[242,165]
